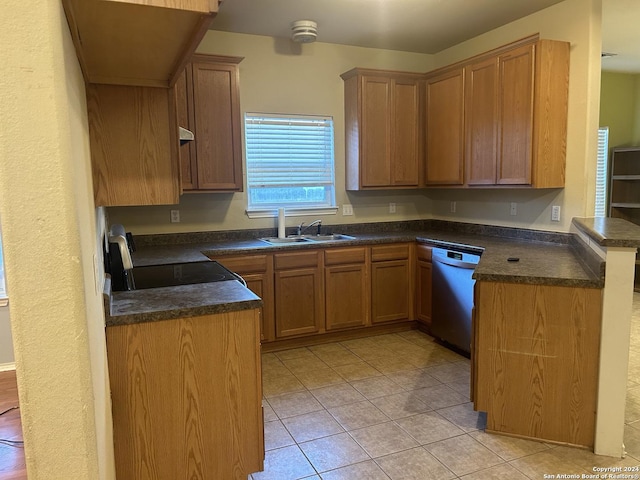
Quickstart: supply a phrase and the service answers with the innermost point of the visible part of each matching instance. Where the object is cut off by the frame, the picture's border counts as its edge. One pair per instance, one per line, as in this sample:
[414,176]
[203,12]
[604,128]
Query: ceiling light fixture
[304,31]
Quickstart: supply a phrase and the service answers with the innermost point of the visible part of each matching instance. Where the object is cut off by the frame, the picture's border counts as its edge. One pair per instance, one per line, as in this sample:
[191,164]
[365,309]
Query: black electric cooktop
[154,276]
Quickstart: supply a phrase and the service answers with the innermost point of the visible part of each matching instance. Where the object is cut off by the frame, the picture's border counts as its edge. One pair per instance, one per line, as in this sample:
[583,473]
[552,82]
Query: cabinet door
[217,126]
[184,111]
[299,302]
[444,128]
[376,136]
[390,294]
[133,150]
[405,133]
[257,271]
[515,104]
[262,285]
[347,296]
[481,122]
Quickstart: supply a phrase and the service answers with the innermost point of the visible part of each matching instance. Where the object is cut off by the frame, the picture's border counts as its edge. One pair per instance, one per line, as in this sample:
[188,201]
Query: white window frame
[601,200]
[252,154]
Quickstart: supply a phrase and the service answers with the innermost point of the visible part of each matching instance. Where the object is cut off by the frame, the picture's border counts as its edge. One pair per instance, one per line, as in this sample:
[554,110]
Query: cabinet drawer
[296,260]
[340,256]
[389,252]
[248,264]
[423,252]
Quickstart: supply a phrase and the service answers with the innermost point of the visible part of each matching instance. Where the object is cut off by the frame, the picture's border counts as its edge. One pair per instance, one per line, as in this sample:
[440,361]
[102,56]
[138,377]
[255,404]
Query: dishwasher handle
[453,262]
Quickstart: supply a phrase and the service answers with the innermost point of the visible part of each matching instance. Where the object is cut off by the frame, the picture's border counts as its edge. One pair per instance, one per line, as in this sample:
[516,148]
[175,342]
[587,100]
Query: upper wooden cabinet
[382,128]
[444,95]
[497,119]
[137,42]
[208,104]
[516,103]
[134,145]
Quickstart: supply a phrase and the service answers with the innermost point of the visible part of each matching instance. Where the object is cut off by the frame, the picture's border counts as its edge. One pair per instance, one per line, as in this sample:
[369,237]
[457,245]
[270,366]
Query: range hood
[185,135]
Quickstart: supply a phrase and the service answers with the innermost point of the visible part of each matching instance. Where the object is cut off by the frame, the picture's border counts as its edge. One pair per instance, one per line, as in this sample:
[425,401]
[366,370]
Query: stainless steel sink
[284,241]
[329,238]
[296,239]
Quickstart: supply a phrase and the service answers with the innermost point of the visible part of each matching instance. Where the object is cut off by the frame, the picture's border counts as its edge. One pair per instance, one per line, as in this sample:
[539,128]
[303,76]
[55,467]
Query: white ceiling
[422,26]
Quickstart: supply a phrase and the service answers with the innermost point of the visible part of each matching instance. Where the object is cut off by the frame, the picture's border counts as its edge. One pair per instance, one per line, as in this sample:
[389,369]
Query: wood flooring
[12,463]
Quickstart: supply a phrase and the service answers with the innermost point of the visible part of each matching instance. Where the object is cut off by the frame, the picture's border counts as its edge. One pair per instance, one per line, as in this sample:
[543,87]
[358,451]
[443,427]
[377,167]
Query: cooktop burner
[154,276]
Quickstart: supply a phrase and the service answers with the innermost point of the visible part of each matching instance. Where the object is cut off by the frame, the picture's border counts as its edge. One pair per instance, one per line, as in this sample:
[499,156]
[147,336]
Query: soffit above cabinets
[137,42]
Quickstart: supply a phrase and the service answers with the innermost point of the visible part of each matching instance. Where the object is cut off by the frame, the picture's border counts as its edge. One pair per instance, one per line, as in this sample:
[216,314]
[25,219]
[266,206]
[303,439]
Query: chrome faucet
[302,228]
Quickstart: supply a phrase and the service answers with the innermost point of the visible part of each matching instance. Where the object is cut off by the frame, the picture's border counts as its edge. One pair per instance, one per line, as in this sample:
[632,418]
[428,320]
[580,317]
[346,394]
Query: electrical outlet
[555,213]
[514,208]
[452,207]
[392,208]
[175,216]
[347,209]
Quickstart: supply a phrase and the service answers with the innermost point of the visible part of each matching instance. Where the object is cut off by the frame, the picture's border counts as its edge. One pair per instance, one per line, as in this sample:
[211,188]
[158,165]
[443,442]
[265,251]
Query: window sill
[292,212]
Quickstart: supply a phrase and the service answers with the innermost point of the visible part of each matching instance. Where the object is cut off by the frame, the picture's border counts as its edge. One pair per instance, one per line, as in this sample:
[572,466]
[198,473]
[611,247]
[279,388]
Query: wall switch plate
[452,207]
[555,213]
[392,208]
[347,209]
[514,208]
[175,216]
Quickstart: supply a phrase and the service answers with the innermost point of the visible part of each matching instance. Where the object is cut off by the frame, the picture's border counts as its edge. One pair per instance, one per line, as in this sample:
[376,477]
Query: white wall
[49,239]
[277,76]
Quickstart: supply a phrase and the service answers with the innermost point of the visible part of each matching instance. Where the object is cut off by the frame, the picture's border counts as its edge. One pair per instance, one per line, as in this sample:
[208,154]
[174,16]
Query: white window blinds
[290,161]
[600,209]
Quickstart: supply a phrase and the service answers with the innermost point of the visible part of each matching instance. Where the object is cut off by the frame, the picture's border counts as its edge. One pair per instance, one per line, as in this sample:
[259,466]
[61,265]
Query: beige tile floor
[396,407]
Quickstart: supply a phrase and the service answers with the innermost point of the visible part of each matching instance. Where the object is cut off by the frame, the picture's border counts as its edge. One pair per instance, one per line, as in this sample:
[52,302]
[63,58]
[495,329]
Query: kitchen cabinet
[535,360]
[516,104]
[299,293]
[257,271]
[444,96]
[423,284]
[134,145]
[382,129]
[347,287]
[391,283]
[180,390]
[208,100]
[136,42]
[132,125]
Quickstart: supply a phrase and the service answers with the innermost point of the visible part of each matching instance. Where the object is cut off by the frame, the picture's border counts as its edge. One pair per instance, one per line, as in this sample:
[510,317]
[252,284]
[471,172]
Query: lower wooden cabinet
[347,287]
[299,293]
[535,360]
[423,284]
[180,391]
[309,292]
[257,271]
[391,284]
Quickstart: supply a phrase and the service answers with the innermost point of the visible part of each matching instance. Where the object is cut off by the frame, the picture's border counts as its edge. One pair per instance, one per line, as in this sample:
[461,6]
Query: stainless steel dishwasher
[453,296]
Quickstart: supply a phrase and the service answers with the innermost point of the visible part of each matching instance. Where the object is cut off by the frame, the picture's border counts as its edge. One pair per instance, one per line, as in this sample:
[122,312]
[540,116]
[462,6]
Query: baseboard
[5,367]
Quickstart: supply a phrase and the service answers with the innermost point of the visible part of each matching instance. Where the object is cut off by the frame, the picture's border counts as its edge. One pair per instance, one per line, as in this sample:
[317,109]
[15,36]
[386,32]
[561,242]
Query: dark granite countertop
[547,258]
[610,232]
[168,303]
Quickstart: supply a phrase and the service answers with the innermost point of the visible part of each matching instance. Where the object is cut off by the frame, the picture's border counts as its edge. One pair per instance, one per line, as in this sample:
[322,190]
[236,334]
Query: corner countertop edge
[609,232]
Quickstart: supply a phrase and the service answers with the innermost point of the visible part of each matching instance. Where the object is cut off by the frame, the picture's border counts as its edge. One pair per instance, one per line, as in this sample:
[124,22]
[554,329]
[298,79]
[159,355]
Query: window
[600,209]
[290,163]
